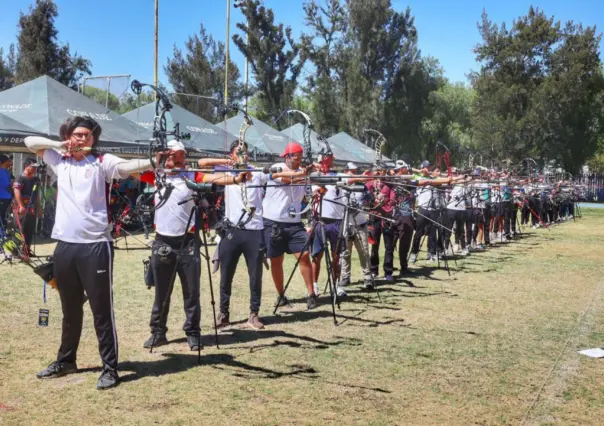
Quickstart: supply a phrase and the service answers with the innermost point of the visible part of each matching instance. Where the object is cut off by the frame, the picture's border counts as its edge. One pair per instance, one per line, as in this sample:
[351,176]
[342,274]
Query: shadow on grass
[179,363]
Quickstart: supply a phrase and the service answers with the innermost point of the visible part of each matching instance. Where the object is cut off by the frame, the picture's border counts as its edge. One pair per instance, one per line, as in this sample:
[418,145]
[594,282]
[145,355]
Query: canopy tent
[260,135]
[12,134]
[344,141]
[43,104]
[296,132]
[205,136]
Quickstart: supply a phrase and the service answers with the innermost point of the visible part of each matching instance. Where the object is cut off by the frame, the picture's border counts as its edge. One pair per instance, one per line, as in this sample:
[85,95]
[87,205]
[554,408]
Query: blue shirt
[5,185]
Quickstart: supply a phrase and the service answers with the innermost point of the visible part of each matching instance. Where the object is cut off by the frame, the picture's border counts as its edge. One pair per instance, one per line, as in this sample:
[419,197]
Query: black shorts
[283,237]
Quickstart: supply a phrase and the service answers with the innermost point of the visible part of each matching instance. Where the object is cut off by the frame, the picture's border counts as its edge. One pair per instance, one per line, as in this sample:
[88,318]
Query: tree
[39,51]
[539,90]
[100,96]
[200,71]
[6,76]
[274,58]
[450,120]
[130,102]
[322,47]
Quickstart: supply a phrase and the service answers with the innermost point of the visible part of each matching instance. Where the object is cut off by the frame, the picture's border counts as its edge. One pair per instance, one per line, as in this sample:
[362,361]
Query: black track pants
[89,268]
[188,269]
[250,244]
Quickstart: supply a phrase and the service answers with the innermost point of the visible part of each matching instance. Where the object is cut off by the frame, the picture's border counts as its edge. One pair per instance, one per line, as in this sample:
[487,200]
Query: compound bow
[158,143]
[443,155]
[242,164]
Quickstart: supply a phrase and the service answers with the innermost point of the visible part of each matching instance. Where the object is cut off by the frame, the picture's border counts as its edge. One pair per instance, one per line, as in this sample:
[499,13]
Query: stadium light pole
[239,3]
[155,58]
[226,61]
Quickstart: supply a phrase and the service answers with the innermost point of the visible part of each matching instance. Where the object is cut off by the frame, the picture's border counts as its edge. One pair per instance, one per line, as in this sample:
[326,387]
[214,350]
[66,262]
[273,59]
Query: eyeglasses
[81,136]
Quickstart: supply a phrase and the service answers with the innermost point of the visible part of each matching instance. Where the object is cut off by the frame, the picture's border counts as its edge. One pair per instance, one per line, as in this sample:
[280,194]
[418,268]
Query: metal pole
[247,36]
[226,61]
[156,44]
[108,90]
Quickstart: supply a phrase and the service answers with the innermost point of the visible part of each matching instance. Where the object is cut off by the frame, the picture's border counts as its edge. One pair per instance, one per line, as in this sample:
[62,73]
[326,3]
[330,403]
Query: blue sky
[117,35]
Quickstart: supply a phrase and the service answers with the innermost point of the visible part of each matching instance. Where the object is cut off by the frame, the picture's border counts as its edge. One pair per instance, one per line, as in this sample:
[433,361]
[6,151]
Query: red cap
[292,148]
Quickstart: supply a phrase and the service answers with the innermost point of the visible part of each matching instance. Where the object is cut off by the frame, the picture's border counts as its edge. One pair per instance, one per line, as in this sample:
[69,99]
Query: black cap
[4,158]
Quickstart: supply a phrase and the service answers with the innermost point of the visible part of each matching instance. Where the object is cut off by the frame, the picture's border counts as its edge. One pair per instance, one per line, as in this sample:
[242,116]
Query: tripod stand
[328,261]
[343,235]
[198,241]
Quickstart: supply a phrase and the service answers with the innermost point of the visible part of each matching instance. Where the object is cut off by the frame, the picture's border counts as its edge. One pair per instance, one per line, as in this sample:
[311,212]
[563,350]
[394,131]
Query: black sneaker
[311,301]
[194,341]
[156,340]
[282,301]
[108,379]
[57,369]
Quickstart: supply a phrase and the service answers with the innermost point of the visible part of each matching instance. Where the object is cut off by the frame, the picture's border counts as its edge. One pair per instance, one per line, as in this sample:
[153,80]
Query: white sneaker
[315,288]
[465,252]
[457,249]
[413,258]
[341,292]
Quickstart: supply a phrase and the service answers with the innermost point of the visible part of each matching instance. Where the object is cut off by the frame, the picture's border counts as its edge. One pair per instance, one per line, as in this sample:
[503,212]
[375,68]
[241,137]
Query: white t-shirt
[281,198]
[457,201]
[331,210]
[424,197]
[356,217]
[233,201]
[171,218]
[81,214]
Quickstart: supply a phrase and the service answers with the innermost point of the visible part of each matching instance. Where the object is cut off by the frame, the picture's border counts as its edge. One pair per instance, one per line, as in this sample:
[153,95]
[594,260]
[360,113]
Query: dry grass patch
[471,348]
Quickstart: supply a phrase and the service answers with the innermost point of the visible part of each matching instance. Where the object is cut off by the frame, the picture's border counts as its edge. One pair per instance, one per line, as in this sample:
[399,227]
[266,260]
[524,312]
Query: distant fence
[594,183]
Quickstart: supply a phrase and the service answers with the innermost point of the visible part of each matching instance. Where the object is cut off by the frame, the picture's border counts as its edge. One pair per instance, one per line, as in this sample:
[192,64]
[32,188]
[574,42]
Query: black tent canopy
[43,105]
[260,135]
[12,133]
[205,136]
[296,132]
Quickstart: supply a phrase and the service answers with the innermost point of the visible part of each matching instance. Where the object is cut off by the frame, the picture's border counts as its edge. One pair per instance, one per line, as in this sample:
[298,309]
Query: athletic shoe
[255,322]
[222,320]
[341,292]
[108,379]
[315,288]
[369,285]
[389,278]
[413,258]
[405,271]
[57,369]
[480,246]
[282,301]
[311,301]
[194,341]
[465,252]
[156,340]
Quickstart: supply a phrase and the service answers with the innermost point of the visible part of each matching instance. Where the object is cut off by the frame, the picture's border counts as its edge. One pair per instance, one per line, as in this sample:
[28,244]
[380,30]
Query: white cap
[401,164]
[351,166]
[174,145]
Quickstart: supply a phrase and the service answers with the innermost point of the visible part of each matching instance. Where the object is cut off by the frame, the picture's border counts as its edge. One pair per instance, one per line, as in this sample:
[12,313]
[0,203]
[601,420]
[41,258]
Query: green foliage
[449,120]
[40,52]
[539,91]
[274,59]
[7,68]
[369,72]
[100,96]
[200,71]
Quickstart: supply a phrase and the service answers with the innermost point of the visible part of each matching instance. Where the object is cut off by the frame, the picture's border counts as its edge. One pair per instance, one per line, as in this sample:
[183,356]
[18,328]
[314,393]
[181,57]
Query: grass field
[494,343]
